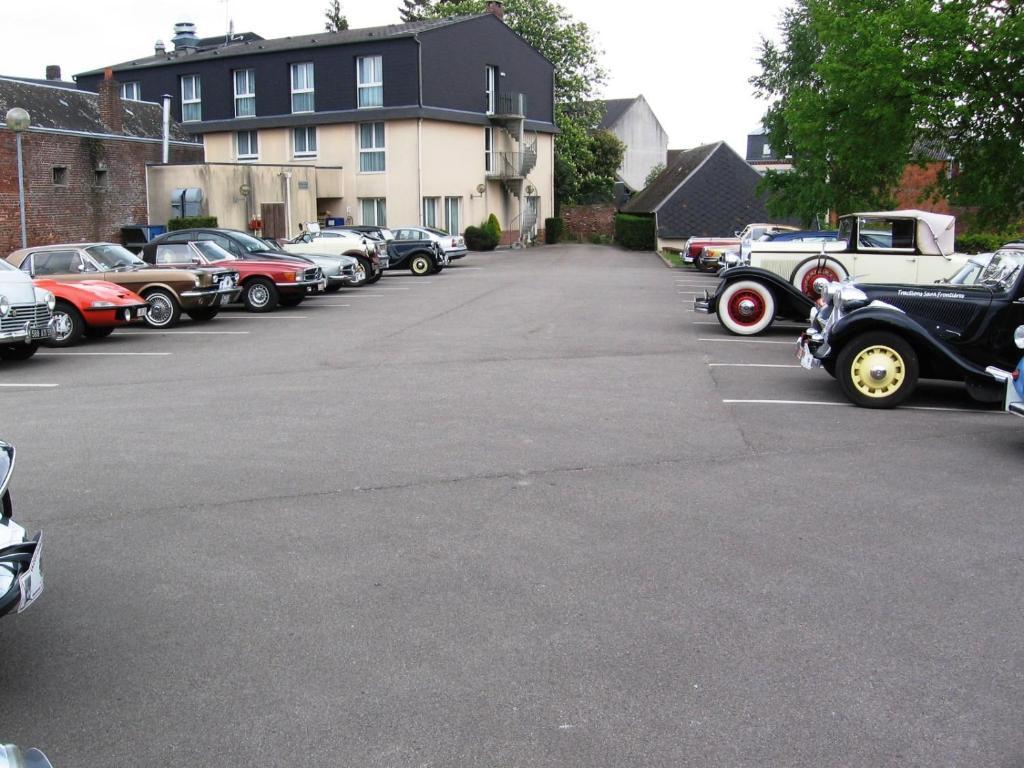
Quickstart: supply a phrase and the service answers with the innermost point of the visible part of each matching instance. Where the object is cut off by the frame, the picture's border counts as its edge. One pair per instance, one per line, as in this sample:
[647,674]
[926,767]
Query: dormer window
[370,81]
[302,87]
[191,99]
[245,93]
[766,150]
[131,91]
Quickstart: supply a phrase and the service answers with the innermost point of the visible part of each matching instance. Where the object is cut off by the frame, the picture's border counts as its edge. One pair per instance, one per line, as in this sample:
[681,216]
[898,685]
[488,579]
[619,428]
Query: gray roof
[320,39]
[686,162]
[55,107]
[613,109]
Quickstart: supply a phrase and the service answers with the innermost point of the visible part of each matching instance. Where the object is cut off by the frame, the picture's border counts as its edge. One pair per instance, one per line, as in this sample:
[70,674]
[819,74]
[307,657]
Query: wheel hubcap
[62,325]
[259,295]
[159,310]
[746,307]
[807,284]
[878,371]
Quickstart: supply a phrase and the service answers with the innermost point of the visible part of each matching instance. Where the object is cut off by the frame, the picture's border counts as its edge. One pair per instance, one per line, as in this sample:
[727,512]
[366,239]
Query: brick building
[85,157]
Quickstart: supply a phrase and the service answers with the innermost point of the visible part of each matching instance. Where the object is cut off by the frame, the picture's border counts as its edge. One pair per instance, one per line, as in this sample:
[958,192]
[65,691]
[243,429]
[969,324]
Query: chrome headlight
[43,295]
[101,304]
[731,259]
[1018,335]
[5,306]
[851,294]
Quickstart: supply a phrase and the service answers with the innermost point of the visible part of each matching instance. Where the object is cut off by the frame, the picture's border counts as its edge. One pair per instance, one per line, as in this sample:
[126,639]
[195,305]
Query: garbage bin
[134,236]
[335,221]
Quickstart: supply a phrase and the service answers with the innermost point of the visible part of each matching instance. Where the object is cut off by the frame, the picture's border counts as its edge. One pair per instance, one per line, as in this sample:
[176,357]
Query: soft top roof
[936,232]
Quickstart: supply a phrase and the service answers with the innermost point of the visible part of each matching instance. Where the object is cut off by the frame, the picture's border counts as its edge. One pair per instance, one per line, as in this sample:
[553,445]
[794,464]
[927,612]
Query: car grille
[313,273]
[228,280]
[36,314]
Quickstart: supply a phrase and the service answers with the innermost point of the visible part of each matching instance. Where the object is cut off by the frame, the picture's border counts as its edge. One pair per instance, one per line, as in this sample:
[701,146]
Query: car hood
[86,291]
[954,308]
[277,256]
[17,287]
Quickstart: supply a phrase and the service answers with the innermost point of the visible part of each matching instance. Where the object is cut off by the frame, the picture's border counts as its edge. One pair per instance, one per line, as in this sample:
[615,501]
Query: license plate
[39,333]
[807,360]
[224,299]
[31,581]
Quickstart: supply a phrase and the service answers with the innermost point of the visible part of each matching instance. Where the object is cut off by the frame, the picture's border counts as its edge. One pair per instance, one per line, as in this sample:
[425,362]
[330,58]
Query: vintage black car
[878,340]
[421,257]
[21,578]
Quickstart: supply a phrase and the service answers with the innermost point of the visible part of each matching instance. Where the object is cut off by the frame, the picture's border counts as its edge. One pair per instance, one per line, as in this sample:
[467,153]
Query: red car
[265,284]
[92,308]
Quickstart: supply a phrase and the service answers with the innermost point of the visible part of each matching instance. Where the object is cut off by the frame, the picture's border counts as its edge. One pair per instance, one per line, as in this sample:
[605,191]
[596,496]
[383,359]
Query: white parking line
[262,317]
[753,341]
[850,405]
[750,365]
[156,331]
[365,296]
[103,354]
[30,386]
[334,305]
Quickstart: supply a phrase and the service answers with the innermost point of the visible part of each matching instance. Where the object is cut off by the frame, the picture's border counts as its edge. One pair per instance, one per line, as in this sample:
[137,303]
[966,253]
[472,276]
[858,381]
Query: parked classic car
[421,257]
[21,575]
[265,284]
[199,292]
[878,340]
[1013,398]
[694,246]
[339,270]
[779,278]
[454,246]
[365,250]
[25,314]
[92,308]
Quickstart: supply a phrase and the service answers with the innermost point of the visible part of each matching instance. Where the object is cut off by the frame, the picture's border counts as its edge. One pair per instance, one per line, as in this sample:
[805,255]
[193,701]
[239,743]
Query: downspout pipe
[167,128]
[419,128]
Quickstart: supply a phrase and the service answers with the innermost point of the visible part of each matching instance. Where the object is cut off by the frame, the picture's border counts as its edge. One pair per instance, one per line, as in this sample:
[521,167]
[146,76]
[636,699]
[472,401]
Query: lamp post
[17,120]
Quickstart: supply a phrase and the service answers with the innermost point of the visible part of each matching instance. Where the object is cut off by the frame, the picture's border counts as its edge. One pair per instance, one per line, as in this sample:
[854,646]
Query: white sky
[691,59]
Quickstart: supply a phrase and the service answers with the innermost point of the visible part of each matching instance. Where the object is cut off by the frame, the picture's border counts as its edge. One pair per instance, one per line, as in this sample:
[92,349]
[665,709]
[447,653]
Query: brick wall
[89,206]
[911,192]
[583,221]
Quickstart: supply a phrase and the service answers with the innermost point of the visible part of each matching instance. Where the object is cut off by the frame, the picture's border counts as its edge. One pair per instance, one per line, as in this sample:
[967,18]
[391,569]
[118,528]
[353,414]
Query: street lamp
[17,120]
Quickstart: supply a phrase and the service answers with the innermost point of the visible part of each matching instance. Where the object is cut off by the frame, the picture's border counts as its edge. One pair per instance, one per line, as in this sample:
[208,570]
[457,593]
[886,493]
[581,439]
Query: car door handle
[912,261]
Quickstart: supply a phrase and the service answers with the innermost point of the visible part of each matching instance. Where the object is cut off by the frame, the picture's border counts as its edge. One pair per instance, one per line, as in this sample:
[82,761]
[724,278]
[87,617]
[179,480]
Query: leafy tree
[654,173]
[335,19]
[605,156]
[570,46]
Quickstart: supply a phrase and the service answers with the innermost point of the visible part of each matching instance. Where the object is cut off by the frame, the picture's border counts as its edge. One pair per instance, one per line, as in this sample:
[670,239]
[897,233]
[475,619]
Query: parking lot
[531,511]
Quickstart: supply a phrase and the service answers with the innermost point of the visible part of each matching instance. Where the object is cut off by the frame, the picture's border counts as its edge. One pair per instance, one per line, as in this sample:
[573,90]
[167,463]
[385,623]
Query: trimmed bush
[982,242]
[191,222]
[493,228]
[554,230]
[480,239]
[634,232]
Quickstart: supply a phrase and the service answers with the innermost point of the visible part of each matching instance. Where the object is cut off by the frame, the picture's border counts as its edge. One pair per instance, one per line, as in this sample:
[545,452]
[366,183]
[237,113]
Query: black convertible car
[878,340]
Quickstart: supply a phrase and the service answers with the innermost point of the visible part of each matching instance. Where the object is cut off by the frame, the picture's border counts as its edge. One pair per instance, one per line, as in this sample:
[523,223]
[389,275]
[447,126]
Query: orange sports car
[92,308]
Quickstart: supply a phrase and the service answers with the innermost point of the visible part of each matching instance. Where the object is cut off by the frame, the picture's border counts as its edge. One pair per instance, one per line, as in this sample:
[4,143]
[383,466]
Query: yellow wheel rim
[878,371]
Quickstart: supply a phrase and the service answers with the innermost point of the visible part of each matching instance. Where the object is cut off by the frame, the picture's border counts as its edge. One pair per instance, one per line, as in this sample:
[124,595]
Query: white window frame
[303,74]
[307,131]
[491,88]
[246,96]
[766,150]
[377,72]
[195,102]
[448,215]
[131,91]
[380,212]
[430,206]
[253,139]
[489,150]
[374,148]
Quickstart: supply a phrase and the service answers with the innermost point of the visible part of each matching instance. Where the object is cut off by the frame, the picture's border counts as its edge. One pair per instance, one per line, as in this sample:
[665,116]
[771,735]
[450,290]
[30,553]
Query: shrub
[493,228]
[480,239]
[596,238]
[634,232]
[554,229]
[980,242]
[191,222]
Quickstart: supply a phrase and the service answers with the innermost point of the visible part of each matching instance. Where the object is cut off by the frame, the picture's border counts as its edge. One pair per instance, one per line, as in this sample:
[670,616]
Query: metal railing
[506,165]
[510,105]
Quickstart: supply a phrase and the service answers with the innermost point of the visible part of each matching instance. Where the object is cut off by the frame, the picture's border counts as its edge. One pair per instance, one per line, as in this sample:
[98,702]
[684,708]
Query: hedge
[481,239]
[634,232]
[983,242]
[554,230]
[191,222]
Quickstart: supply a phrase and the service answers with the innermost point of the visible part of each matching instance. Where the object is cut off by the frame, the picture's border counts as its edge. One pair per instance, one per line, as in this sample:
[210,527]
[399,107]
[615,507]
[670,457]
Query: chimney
[185,38]
[159,49]
[111,110]
[497,8]
[53,72]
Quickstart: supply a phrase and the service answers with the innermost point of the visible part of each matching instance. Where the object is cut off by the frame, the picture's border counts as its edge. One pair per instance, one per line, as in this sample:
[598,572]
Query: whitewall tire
[746,307]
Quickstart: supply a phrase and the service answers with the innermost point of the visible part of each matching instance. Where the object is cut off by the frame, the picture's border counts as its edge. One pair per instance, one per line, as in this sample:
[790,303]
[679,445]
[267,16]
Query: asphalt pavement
[531,511]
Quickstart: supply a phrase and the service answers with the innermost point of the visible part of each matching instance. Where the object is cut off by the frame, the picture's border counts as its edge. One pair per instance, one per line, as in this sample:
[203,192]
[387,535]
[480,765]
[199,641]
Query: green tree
[605,153]
[842,105]
[570,46]
[654,173]
[335,19]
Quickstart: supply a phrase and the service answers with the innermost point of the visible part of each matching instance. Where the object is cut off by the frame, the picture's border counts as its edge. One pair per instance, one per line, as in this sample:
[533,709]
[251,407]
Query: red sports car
[92,308]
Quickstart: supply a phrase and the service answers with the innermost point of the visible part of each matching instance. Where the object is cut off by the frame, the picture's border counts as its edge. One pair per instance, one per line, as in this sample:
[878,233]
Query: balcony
[509,106]
[506,165]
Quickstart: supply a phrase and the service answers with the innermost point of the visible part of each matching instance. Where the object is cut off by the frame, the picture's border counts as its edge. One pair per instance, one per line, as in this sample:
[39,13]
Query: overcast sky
[691,59]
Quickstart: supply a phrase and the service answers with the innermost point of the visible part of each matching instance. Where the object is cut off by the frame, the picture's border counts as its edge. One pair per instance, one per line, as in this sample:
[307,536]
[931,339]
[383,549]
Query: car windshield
[969,273]
[267,245]
[249,243]
[1002,271]
[5,265]
[114,257]
[845,230]
[437,232]
[213,252]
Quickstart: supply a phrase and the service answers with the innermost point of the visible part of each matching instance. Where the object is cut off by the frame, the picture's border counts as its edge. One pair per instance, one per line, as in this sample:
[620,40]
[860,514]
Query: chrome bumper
[27,333]
[703,304]
[211,297]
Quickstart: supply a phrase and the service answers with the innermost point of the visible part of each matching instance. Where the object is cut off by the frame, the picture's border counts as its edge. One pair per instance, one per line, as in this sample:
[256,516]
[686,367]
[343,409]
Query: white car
[317,244]
[26,314]
[454,246]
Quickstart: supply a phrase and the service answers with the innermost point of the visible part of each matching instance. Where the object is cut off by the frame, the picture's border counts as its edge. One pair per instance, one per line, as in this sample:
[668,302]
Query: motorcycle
[1013,399]
[12,757]
[21,575]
